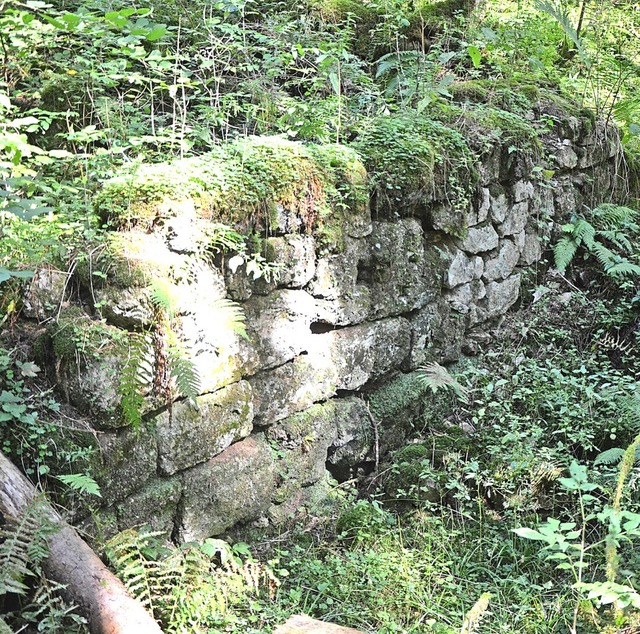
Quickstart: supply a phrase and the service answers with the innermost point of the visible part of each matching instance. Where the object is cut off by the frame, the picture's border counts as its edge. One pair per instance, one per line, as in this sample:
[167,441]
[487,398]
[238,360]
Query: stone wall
[326,375]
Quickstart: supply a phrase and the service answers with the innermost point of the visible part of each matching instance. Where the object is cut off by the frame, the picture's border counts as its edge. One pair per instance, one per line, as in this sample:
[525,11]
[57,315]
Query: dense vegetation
[515,505]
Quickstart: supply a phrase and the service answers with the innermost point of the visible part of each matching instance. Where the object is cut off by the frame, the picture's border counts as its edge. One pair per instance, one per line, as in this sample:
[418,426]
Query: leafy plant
[607,232]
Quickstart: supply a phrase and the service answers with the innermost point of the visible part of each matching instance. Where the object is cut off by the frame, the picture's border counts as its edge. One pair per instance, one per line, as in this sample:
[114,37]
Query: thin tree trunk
[99,595]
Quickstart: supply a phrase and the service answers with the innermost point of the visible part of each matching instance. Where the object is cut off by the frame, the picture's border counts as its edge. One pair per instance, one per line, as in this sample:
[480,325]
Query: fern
[23,547]
[165,296]
[435,377]
[136,377]
[82,483]
[607,233]
[230,315]
[183,587]
[183,371]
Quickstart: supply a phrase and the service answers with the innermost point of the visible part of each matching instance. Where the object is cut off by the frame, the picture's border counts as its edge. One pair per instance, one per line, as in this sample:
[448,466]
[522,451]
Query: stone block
[279,325]
[297,256]
[502,295]
[516,220]
[45,293]
[463,269]
[354,438]
[125,460]
[292,387]
[154,506]
[301,442]
[480,240]
[501,266]
[189,435]
[235,486]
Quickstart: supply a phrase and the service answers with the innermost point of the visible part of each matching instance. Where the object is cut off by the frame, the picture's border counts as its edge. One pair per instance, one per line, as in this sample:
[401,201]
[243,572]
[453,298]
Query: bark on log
[99,594]
[301,624]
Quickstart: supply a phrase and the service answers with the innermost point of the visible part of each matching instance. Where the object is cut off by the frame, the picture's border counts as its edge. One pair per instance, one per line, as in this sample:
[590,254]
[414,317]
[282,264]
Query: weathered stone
[437,335]
[126,308]
[301,442]
[279,325]
[301,624]
[501,266]
[522,190]
[219,353]
[565,156]
[444,217]
[463,269]
[479,210]
[499,207]
[531,249]
[337,274]
[396,407]
[463,297]
[316,498]
[296,254]
[502,295]
[154,506]
[235,486]
[45,293]
[349,310]
[362,353]
[189,435]
[480,240]
[395,269]
[89,358]
[516,220]
[354,437]
[292,387]
[124,462]
[565,202]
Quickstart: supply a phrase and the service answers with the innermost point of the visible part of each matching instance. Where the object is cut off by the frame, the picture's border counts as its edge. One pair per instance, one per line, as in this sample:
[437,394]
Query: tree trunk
[99,595]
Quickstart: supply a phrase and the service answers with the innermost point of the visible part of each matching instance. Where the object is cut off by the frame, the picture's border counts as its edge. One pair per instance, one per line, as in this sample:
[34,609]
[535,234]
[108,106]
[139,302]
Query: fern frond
[135,378]
[584,232]
[563,252]
[4,628]
[435,377]
[624,268]
[229,315]
[610,456]
[23,547]
[183,371]
[165,296]
[611,216]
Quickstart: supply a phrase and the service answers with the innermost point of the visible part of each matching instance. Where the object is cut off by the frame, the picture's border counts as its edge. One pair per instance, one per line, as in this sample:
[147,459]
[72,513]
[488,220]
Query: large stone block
[362,353]
[301,443]
[502,295]
[279,325]
[296,255]
[154,506]
[125,460]
[235,486]
[516,219]
[189,435]
[463,269]
[353,442]
[292,387]
[480,240]
[502,265]
[396,269]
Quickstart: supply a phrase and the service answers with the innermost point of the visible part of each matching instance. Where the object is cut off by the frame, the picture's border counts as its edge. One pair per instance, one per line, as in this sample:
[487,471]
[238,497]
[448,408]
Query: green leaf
[81,483]
[156,33]
[475,55]
[529,533]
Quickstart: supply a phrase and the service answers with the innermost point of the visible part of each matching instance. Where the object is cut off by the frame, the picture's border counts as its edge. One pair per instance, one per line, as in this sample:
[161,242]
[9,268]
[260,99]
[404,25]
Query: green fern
[607,233]
[165,296]
[229,315]
[136,377]
[183,371]
[435,377]
[23,547]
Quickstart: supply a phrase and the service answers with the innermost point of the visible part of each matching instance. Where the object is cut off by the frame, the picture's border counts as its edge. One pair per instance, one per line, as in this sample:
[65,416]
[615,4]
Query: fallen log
[100,596]
[301,624]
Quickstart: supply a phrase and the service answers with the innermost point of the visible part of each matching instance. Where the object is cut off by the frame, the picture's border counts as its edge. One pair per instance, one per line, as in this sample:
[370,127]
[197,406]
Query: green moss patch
[414,160]
[255,184]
